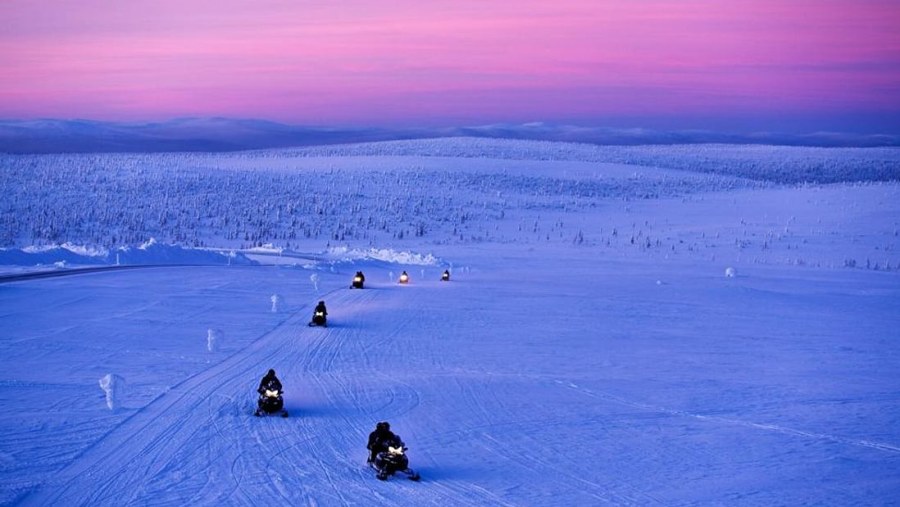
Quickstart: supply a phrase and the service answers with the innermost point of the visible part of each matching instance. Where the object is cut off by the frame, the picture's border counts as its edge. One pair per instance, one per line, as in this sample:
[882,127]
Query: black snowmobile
[270,402]
[320,314]
[319,319]
[446,276]
[358,281]
[391,461]
[404,278]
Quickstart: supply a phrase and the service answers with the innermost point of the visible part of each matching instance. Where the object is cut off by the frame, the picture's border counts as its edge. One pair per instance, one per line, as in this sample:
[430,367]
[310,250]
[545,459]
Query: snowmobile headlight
[272,394]
[395,450]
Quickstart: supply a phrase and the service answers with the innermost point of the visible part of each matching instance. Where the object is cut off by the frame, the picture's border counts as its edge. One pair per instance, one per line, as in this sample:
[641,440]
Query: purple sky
[732,64]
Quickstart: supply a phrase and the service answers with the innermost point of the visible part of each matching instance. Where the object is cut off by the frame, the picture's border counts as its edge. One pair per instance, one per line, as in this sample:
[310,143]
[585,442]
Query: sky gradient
[736,64]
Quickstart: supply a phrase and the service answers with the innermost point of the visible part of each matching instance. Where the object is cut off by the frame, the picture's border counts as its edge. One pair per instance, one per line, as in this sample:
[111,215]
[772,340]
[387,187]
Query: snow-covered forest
[436,191]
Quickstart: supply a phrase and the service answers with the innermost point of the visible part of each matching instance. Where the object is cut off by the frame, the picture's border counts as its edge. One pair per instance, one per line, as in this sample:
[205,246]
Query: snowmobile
[446,276]
[404,278]
[391,461]
[319,319]
[357,282]
[270,402]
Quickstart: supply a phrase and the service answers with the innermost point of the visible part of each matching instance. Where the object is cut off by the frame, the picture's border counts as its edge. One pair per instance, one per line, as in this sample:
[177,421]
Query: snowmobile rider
[359,280]
[381,439]
[269,382]
[321,308]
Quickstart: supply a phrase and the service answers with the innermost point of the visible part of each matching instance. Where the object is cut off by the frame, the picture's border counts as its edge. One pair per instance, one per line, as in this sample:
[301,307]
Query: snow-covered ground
[613,334]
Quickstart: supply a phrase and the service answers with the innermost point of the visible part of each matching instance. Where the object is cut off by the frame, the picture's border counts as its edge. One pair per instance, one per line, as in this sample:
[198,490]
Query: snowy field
[668,327]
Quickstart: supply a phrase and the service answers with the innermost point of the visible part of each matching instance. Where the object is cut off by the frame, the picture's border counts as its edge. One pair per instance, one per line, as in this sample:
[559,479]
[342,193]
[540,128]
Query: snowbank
[385,255]
[149,253]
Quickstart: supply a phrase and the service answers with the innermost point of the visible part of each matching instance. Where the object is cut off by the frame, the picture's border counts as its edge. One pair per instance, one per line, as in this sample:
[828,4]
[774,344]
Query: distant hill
[222,134]
[185,134]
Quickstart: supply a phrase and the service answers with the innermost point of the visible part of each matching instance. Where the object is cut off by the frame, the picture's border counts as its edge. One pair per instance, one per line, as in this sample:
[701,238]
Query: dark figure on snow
[319,315]
[320,308]
[381,439]
[446,276]
[358,280]
[270,399]
[269,382]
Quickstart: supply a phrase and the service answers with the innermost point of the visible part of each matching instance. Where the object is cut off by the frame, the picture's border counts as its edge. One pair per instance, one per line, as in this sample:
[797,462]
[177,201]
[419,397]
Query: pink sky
[446,62]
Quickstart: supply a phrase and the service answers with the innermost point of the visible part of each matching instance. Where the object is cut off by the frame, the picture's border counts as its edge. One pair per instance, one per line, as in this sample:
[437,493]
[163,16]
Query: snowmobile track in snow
[200,435]
[165,427]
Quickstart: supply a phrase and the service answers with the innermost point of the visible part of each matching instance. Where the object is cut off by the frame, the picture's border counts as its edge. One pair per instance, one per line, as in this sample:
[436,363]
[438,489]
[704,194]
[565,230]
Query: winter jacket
[379,440]
[269,383]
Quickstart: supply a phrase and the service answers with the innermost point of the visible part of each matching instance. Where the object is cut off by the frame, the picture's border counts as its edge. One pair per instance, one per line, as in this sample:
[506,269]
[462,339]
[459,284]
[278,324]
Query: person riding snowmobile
[320,314]
[270,399]
[388,454]
[269,382]
[381,439]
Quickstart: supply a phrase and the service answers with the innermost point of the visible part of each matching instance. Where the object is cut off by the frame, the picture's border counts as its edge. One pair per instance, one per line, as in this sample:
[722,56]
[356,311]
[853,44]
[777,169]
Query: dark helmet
[271,373]
[383,425]
[321,302]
